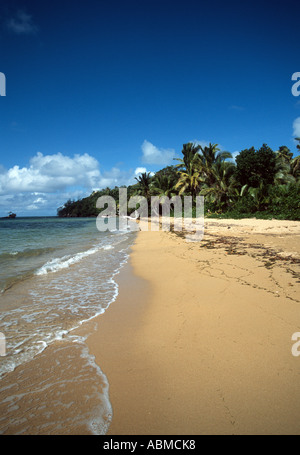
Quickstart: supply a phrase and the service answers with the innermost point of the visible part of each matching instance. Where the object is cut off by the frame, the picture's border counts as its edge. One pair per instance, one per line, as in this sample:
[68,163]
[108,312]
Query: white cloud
[48,181]
[117,177]
[296,127]
[140,170]
[22,24]
[49,173]
[112,178]
[154,155]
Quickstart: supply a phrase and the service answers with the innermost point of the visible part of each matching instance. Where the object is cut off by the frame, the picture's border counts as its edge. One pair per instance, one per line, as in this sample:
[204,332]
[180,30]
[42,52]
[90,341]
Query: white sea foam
[62,263]
[74,297]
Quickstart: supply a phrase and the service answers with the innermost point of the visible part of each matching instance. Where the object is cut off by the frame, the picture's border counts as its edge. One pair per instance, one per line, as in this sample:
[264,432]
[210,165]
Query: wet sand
[199,340]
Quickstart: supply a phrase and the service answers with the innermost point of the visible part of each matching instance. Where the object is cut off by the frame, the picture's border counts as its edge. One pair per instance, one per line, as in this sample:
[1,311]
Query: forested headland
[259,183]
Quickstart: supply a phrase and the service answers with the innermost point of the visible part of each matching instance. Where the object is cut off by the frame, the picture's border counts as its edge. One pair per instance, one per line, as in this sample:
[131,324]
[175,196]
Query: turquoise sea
[55,274]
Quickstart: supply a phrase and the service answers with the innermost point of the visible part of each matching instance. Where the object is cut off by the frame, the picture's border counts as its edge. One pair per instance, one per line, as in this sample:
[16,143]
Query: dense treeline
[260,183]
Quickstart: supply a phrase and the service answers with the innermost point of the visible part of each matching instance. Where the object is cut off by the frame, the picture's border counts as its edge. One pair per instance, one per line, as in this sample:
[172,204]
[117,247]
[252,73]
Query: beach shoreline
[197,341]
[204,344]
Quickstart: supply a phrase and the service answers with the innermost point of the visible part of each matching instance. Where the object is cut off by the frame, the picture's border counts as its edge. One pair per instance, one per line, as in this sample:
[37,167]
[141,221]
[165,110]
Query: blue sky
[97,91]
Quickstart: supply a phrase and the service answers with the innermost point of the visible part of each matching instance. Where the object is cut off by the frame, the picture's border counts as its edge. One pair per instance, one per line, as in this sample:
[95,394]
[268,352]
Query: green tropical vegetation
[259,183]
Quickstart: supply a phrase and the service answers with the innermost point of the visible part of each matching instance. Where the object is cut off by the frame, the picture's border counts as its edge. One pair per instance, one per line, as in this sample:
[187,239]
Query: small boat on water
[11,216]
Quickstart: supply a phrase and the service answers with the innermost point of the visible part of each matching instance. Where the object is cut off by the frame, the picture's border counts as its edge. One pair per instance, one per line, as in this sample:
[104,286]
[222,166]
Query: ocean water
[55,274]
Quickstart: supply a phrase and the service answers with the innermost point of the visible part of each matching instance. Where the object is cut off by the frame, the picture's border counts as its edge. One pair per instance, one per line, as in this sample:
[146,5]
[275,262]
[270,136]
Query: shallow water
[64,275]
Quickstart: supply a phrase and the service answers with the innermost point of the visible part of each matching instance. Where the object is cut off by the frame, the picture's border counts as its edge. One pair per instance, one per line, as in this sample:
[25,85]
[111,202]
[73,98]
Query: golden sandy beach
[199,340]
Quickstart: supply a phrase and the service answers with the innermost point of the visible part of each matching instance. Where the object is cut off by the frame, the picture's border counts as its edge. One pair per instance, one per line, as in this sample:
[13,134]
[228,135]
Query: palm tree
[144,185]
[295,162]
[284,174]
[283,166]
[224,189]
[163,185]
[189,170]
[209,156]
[189,151]
[284,154]
[190,177]
[295,167]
